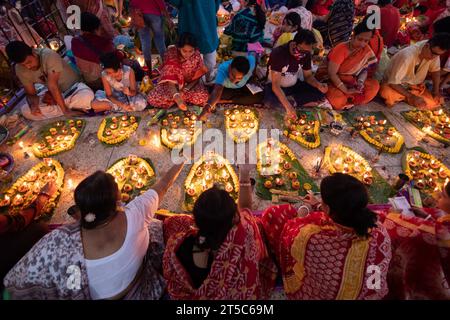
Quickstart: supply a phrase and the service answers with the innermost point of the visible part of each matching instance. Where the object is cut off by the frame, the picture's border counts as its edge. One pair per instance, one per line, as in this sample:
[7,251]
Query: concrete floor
[90,155]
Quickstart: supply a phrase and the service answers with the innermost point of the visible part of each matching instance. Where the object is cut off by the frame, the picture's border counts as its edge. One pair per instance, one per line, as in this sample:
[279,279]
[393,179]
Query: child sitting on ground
[120,91]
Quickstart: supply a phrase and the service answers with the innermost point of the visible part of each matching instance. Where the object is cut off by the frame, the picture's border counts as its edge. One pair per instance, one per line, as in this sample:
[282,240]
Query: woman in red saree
[179,81]
[219,253]
[420,266]
[341,253]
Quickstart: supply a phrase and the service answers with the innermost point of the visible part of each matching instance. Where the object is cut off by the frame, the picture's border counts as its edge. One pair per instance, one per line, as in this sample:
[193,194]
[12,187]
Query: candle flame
[156,141]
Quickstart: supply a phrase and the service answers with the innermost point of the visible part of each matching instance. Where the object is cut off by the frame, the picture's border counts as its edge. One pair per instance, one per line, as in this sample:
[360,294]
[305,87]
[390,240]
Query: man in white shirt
[405,76]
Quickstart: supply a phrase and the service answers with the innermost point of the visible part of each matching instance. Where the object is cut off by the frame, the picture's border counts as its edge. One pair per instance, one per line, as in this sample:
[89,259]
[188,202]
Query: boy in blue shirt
[230,84]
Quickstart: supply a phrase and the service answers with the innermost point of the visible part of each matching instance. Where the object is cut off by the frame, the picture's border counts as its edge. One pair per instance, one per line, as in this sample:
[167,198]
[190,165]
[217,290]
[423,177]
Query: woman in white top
[112,253]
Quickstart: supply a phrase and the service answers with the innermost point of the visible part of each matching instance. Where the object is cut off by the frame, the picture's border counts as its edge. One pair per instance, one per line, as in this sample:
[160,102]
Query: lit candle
[54,45]
[141,61]
[21,146]
[70,184]
[156,141]
[346,168]
[338,163]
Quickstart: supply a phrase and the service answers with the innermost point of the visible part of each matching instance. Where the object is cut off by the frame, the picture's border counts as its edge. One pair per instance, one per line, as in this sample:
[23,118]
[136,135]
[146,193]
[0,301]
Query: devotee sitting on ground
[306,247]
[286,64]
[407,70]
[305,15]
[197,263]
[181,72]
[390,22]
[337,25]
[346,69]
[116,251]
[45,66]
[230,84]
[200,19]
[291,24]
[119,83]
[420,267]
[22,230]
[247,26]
[87,49]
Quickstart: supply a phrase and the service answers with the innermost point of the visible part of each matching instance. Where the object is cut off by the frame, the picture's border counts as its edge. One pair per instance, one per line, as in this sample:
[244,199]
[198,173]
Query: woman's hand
[126,107]
[290,114]
[360,86]
[128,92]
[349,92]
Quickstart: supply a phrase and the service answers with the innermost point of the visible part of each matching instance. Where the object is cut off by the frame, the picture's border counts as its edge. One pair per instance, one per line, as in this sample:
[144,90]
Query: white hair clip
[90,217]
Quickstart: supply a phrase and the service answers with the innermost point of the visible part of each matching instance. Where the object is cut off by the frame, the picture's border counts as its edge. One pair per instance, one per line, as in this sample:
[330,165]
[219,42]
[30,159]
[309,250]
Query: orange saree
[320,259]
[241,270]
[351,64]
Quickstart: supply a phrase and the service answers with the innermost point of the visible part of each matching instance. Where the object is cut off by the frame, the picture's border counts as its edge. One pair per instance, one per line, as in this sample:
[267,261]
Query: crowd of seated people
[324,250]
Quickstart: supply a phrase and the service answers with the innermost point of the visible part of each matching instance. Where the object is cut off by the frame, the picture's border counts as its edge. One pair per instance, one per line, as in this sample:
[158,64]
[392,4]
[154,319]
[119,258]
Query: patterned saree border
[354,268]
[293,283]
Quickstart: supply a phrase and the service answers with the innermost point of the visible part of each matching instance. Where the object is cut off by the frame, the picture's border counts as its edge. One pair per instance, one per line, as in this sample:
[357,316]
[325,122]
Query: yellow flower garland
[124,162]
[171,145]
[430,132]
[349,152]
[303,142]
[70,145]
[395,149]
[59,183]
[122,137]
[426,156]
